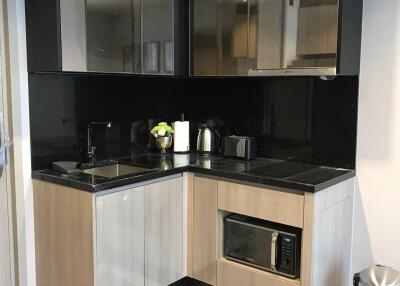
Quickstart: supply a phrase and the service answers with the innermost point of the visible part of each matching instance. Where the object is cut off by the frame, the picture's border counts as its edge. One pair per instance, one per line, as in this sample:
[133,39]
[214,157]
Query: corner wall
[377,205]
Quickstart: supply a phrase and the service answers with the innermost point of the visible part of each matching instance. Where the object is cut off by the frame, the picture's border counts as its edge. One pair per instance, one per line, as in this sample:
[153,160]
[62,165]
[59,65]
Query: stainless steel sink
[116,170]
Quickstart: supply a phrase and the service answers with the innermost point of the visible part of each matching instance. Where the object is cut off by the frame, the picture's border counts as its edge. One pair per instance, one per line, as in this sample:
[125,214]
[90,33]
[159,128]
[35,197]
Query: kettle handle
[217,139]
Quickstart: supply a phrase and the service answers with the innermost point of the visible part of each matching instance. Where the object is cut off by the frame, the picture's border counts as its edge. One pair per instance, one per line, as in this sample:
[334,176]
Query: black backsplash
[302,119]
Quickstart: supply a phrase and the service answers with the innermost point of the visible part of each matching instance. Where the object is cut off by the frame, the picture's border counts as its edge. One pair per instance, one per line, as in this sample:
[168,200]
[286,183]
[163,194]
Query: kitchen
[196,142]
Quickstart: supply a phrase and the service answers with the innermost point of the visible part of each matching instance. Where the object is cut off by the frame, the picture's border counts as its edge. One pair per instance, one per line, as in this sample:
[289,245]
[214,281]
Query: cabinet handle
[274,243]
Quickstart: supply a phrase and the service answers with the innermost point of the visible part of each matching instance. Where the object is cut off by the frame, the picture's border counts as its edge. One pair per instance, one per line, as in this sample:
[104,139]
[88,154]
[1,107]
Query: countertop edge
[194,169]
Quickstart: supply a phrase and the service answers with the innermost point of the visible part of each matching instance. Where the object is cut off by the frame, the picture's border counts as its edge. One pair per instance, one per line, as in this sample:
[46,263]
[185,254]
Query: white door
[120,238]
[5,249]
[164,213]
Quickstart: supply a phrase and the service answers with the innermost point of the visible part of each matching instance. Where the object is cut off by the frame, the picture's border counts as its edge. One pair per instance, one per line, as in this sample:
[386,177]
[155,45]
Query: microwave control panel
[287,263]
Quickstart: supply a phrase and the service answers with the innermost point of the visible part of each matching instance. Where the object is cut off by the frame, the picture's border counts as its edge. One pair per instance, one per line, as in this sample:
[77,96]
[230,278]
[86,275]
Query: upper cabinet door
[113,36]
[119,36]
[158,37]
[293,34]
[276,37]
[73,30]
[165,44]
[219,37]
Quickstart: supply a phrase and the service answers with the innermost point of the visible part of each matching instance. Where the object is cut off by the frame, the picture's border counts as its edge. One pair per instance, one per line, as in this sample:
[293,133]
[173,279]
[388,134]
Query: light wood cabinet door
[235,274]
[120,238]
[277,206]
[63,235]
[164,217]
[204,263]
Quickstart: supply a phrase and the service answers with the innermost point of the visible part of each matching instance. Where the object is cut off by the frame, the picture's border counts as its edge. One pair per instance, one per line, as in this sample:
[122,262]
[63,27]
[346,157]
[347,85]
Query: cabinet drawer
[234,274]
[276,206]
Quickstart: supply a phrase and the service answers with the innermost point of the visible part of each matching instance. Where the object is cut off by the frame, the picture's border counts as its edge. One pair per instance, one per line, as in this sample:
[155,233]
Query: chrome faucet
[91,150]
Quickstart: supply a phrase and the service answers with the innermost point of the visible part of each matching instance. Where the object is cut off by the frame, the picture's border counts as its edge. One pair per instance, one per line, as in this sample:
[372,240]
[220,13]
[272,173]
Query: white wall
[377,209]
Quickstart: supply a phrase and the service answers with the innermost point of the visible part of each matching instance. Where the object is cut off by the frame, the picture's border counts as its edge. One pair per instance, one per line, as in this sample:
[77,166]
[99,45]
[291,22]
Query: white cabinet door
[164,261]
[120,238]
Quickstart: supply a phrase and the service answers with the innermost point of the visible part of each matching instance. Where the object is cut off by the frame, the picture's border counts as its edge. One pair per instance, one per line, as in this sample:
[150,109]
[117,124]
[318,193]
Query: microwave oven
[262,244]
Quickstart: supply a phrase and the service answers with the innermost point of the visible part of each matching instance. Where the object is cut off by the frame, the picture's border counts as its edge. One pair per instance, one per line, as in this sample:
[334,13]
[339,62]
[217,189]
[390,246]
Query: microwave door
[262,244]
[250,244]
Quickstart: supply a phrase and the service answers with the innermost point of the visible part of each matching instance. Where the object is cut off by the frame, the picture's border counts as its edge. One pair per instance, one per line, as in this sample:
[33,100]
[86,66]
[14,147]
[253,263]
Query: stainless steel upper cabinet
[113,36]
[73,30]
[276,37]
[158,36]
[118,36]
[293,34]
[219,37]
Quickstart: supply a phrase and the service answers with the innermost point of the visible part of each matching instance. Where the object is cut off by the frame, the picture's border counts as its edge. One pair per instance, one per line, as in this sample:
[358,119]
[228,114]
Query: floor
[189,282]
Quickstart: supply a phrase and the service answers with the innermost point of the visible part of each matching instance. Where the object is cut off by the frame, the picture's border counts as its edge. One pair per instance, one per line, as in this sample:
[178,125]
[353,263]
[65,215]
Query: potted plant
[163,134]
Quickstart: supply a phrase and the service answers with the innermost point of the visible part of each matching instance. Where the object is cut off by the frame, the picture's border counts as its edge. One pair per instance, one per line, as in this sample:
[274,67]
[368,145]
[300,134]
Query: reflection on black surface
[270,172]
[282,169]
[165,163]
[61,106]
[317,175]
[300,119]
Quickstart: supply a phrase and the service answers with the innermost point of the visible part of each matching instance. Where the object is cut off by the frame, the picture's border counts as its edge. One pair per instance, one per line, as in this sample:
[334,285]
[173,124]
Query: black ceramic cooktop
[278,173]
[282,169]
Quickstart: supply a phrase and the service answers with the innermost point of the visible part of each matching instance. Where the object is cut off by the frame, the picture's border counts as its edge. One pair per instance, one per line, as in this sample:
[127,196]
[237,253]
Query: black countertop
[277,173]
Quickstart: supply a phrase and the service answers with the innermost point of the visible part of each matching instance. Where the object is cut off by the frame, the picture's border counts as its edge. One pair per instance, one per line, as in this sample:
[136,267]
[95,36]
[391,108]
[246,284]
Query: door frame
[6,119]
[16,94]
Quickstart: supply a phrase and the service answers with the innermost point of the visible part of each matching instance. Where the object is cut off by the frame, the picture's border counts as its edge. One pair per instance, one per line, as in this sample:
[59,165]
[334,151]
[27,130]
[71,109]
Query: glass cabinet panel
[219,37]
[293,34]
[158,36]
[113,35]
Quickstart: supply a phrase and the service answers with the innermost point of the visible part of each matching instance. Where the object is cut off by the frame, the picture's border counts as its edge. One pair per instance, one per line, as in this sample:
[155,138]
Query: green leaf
[162,132]
[157,128]
[155,134]
[161,129]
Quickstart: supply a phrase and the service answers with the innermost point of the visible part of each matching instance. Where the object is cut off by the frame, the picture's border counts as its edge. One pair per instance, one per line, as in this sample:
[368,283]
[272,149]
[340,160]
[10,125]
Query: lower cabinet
[120,238]
[159,232]
[204,252]
[140,236]
[126,237]
[163,228]
[324,219]
[234,274]
[64,235]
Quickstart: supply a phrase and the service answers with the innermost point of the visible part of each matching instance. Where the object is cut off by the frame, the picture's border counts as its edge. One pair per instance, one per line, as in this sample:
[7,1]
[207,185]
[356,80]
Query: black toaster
[239,146]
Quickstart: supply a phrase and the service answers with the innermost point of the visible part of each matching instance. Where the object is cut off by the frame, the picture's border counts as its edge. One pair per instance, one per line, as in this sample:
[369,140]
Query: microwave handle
[274,248]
